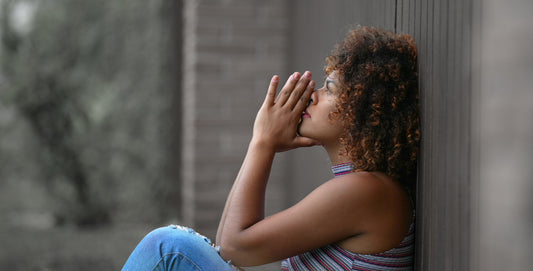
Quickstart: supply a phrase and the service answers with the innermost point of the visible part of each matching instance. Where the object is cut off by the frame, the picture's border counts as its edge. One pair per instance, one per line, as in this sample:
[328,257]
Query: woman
[366,117]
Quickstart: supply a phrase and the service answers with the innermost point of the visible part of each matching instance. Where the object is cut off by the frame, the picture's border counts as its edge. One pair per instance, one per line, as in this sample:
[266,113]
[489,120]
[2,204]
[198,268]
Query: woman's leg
[175,248]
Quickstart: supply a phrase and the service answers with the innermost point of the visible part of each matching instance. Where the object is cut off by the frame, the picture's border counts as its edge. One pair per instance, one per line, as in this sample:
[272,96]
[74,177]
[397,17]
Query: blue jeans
[175,248]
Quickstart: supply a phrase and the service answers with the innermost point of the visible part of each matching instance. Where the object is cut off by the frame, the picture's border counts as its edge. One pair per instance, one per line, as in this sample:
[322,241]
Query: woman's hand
[277,121]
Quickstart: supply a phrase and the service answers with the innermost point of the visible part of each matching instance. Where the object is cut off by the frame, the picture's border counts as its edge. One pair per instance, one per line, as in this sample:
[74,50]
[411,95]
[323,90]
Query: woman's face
[316,122]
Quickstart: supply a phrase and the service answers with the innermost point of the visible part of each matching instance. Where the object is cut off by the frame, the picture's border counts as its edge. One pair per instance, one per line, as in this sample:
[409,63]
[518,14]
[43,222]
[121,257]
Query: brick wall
[231,49]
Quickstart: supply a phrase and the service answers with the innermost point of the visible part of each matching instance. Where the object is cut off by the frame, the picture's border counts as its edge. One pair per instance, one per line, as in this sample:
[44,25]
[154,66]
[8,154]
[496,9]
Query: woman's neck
[335,157]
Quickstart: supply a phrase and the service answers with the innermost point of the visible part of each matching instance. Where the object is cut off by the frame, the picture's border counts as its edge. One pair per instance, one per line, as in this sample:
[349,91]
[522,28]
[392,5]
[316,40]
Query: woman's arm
[258,161]
[230,197]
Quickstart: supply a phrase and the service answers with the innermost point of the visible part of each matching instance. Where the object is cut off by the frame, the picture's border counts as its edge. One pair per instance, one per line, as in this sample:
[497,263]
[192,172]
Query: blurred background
[88,130]
[117,117]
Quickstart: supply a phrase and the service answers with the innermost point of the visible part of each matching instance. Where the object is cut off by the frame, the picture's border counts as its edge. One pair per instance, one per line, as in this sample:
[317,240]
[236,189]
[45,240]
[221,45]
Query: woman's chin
[306,129]
[303,132]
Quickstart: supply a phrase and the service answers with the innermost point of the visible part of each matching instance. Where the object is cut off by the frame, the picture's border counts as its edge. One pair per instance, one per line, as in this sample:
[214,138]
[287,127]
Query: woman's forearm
[226,206]
[245,203]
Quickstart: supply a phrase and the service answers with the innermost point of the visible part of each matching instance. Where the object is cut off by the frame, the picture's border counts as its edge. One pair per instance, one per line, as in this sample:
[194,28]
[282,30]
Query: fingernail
[312,84]
[275,78]
[307,74]
[296,75]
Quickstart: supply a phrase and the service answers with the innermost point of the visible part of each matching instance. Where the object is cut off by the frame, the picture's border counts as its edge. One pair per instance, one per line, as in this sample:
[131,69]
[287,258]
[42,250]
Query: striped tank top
[333,257]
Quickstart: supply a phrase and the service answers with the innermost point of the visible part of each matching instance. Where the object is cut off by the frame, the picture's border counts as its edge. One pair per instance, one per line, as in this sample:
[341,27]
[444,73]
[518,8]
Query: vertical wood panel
[443,206]
[399,20]
[472,34]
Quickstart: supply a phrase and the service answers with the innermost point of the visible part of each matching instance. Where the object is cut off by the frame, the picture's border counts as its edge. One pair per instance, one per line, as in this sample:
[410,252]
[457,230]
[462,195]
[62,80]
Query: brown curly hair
[378,101]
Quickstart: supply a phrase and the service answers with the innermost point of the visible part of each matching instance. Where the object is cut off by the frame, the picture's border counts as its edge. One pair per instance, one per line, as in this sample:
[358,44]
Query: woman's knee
[171,246]
[172,239]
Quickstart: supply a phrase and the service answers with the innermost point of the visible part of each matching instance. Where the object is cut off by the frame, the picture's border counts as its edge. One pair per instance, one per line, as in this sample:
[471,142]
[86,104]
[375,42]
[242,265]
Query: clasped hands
[276,123]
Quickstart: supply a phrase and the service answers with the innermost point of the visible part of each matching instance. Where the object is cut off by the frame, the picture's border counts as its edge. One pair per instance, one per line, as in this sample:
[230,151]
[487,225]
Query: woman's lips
[305,115]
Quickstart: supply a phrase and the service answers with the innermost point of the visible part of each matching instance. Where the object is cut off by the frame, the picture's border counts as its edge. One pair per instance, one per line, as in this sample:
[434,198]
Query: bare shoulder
[380,208]
[362,198]
[361,187]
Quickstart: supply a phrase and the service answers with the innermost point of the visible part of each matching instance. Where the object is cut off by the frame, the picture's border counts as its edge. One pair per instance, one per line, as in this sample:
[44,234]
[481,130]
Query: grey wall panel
[317,27]
[224,87]
[505,108]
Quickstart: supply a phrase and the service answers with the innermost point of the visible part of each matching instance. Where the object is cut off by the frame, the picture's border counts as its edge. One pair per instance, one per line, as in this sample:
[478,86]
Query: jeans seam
[176,253]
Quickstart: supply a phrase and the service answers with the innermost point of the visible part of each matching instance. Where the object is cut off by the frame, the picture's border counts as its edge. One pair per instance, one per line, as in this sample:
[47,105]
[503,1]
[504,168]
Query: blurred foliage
[88,105]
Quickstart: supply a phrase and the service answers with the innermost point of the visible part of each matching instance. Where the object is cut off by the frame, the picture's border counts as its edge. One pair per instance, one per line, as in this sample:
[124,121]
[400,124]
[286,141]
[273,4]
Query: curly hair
[378,101]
